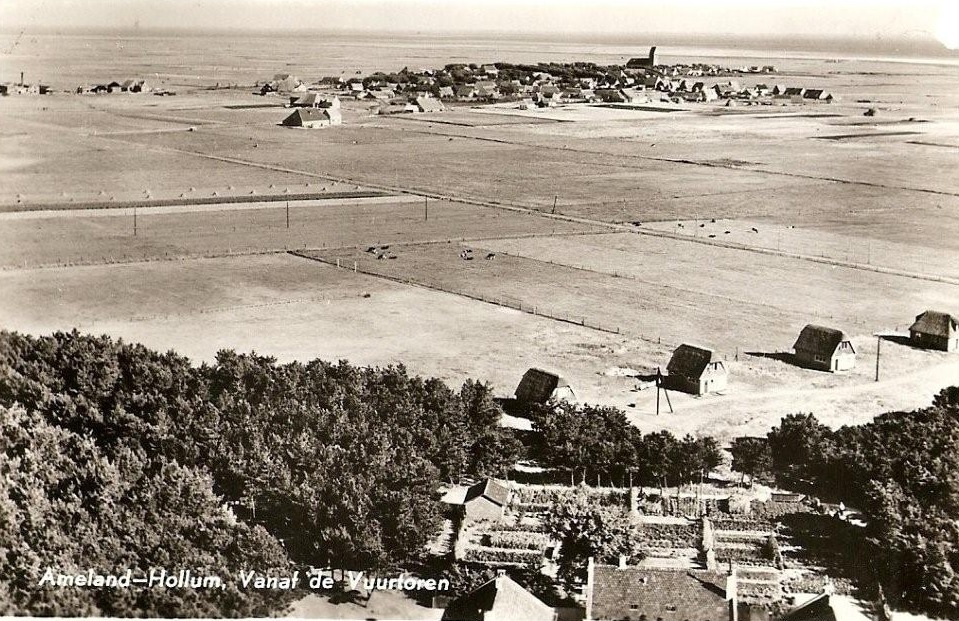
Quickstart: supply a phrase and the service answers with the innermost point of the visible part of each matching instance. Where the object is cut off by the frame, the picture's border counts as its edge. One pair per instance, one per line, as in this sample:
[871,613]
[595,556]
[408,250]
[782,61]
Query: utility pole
[660,386]
[134,220]
[657,391]
[555,197]
[287,214]
[426,208]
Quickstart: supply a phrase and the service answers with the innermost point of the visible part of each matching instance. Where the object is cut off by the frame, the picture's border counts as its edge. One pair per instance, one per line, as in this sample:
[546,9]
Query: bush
[501,555]
[520,527]
[518,540]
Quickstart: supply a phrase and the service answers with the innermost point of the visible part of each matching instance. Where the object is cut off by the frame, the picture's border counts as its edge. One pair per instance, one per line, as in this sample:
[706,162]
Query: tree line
[592,443]
[116,456]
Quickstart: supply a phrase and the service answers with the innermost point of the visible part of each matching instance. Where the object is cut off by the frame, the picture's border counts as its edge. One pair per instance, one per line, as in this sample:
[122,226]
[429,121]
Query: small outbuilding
[539,386]
[825,349]
[486,500]
[696,370]
[935,330]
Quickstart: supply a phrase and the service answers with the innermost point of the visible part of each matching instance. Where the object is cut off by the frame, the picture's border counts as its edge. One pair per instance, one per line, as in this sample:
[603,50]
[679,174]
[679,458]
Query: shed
[486,500]
[539,386]
[499,599]
[696,370]
[935,330]
[826,349]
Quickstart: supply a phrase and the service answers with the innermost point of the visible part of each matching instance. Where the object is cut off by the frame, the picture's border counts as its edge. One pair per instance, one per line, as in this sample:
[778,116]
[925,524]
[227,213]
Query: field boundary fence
[821,258]
[504,301]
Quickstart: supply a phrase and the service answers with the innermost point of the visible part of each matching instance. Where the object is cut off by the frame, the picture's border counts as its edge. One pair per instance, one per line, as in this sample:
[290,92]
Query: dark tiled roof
[500,598]
[670,595]
[489,489]
[935,323]
[820,340]
[690,361]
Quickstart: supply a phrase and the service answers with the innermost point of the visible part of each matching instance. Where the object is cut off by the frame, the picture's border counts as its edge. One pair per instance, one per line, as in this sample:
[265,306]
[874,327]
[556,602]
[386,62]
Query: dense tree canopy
[902,471]
[591,441]
[587,530]
[113,448]
[752,457]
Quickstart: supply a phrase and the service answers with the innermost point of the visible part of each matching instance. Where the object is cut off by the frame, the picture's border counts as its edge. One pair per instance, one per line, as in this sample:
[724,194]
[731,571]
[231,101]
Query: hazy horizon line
[653,37]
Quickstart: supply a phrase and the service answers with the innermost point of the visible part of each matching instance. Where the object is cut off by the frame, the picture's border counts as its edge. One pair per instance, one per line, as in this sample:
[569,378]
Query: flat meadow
[581,206]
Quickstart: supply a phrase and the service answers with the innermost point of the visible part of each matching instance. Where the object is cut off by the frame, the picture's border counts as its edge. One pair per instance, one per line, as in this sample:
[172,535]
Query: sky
[874,19]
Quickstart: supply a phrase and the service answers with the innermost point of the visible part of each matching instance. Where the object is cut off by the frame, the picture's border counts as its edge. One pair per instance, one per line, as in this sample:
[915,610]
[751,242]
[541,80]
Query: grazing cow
[680,225]
[490,256]
[755,230]
[712,236]
[702,225]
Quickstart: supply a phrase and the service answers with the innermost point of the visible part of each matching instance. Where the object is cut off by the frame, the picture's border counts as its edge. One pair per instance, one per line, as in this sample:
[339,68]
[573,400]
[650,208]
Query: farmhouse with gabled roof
[696,370]
[313,117]
[935,330]
[539,386]
[826,349]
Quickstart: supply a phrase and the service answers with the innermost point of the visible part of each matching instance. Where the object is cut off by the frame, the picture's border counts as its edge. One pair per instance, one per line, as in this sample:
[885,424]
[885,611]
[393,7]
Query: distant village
[640,81]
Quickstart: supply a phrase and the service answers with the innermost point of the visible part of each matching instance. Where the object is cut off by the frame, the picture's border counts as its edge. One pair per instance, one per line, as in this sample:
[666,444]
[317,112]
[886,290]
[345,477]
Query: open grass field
[768,166]
[296,309]
[103,236]
[921,260]
[667,290]
[882,191]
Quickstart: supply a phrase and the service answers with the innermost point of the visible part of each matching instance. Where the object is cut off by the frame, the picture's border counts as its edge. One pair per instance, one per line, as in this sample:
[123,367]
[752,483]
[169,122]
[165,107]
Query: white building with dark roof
[696,370]
[825,349]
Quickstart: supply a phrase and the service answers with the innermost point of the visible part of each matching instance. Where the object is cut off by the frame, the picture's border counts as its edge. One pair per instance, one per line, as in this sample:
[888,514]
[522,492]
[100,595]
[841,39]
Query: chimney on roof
[623,561]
